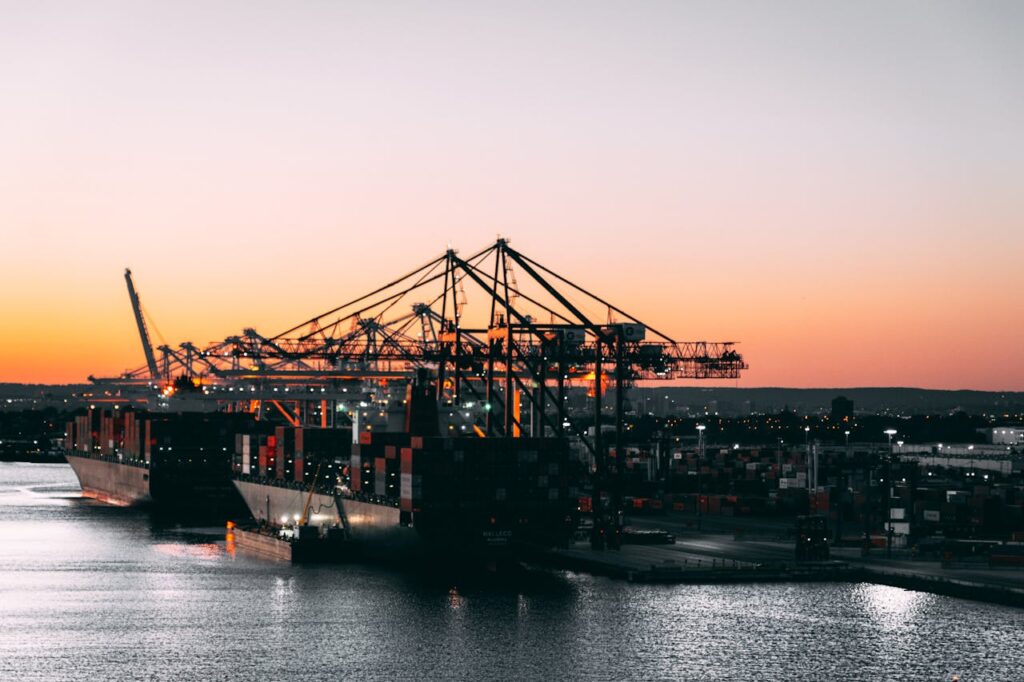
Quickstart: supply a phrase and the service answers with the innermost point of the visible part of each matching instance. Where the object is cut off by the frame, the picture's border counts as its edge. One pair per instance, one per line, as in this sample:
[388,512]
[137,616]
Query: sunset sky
[838,186]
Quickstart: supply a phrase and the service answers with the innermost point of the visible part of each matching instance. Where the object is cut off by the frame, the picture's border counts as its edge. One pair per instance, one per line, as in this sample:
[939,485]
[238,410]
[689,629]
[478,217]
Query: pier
[707,558]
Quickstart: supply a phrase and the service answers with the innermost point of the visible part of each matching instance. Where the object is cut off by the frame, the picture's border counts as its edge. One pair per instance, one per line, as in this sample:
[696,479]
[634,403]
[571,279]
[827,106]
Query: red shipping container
[405,480]
[355,481]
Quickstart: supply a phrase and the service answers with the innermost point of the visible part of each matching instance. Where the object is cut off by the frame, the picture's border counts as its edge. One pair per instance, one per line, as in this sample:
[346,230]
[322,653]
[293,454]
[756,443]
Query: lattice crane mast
[140,321]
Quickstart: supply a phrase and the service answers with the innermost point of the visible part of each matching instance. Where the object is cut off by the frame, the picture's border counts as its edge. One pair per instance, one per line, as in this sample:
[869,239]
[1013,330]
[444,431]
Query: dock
[711,559]
[669,564]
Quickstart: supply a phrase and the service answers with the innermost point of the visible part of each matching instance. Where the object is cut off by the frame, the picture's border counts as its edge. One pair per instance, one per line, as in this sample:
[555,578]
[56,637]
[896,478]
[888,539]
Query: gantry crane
[493,356]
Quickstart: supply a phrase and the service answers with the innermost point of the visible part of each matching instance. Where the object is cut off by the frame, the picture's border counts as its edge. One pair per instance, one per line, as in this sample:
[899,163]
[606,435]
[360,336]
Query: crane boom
[140,321]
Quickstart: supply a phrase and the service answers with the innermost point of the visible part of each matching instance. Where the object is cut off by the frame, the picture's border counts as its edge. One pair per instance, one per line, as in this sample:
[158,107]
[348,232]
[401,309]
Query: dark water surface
[89,592]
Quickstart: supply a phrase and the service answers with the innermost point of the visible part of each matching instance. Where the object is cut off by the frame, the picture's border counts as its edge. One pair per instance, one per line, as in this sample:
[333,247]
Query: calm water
[92,592]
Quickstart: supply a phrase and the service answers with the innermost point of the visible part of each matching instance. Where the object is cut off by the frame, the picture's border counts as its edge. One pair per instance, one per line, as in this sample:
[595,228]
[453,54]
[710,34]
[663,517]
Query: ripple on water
[89,593]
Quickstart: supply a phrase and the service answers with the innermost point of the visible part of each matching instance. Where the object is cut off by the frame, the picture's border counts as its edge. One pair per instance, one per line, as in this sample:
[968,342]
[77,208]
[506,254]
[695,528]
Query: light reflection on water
[891,607]
[90,592]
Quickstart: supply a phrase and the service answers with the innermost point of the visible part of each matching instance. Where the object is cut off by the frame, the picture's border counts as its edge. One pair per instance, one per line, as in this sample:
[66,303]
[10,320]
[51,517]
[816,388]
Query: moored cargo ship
[394,495]
[178,463]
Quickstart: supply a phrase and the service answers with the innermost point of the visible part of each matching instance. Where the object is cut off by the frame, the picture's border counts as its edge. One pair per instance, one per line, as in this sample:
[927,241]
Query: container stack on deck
[291,455]
[375,465]
[499,490]
[143,436]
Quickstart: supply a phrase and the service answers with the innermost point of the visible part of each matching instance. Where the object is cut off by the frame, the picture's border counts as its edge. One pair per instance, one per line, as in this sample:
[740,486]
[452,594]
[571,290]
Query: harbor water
[89,592]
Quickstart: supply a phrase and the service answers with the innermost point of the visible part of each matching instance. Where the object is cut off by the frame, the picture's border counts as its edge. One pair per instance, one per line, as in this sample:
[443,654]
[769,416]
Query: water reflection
[87,592]
[207,551]
[455,600]
[890,607]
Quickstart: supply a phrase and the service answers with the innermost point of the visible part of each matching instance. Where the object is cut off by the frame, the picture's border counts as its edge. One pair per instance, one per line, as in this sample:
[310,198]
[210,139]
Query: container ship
[179,462]
[399,495]
[395,494]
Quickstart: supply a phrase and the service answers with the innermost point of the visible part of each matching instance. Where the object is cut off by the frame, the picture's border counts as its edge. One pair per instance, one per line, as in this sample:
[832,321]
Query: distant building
[842,409]
[1004,435]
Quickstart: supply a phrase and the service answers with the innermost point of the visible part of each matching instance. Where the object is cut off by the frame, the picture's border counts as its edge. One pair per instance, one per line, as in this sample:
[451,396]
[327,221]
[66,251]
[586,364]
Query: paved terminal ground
[733,549]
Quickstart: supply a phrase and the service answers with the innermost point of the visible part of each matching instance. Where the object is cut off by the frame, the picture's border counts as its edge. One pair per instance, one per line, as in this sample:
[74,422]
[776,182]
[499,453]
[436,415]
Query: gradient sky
[839,186]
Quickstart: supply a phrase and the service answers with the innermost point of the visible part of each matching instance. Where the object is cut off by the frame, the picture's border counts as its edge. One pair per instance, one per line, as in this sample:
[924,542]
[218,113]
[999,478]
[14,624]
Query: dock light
[890,433]
[284,519]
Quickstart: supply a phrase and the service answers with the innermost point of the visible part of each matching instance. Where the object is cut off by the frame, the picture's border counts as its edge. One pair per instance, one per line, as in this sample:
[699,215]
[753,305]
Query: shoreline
[660,565]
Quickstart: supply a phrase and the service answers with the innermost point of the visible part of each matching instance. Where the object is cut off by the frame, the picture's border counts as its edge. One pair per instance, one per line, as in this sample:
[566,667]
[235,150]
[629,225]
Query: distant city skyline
[836,187]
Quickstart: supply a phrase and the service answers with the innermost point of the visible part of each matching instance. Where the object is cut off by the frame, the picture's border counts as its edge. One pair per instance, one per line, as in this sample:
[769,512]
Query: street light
[807,455]
[847,434]
[888,498]
[700,468]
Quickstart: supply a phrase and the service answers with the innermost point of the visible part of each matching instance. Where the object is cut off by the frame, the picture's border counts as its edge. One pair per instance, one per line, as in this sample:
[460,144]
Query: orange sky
[836,188]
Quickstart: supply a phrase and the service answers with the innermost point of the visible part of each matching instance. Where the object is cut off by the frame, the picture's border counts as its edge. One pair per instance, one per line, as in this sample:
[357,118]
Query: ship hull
[194,492]
[383,532]
[112,483]
[375,530]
